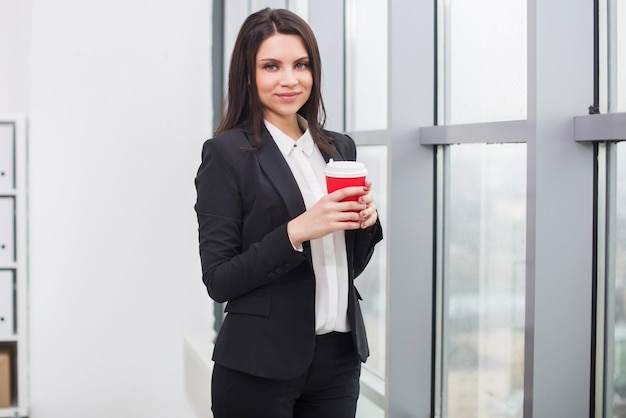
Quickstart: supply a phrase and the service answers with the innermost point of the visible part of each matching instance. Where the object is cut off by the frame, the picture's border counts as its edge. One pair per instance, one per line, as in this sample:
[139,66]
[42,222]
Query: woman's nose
[289,78]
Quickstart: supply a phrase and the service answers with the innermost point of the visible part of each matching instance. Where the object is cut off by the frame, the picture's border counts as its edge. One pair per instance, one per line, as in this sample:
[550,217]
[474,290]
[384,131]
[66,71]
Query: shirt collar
[286,144]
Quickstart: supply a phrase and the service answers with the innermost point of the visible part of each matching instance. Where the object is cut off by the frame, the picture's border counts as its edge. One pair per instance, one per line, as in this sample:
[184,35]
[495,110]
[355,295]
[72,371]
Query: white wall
[117,95]
[14,50]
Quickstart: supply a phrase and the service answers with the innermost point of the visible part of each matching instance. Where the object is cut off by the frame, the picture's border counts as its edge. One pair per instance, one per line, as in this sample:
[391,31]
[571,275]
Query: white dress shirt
[329,252]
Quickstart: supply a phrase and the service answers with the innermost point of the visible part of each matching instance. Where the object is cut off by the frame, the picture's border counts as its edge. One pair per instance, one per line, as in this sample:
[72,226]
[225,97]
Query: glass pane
[484,281]
[299,7]
[482,66]
[617,55]
[618,254]
[366,65]
[372,284]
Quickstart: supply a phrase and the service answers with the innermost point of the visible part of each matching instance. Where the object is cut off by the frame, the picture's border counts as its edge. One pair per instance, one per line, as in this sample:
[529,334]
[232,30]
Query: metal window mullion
[327,19]
[516,131]
[382,137]
[606,127]
[218,76]
[411,191]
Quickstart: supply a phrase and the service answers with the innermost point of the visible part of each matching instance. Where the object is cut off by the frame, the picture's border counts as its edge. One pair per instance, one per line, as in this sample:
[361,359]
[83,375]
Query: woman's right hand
[328,215]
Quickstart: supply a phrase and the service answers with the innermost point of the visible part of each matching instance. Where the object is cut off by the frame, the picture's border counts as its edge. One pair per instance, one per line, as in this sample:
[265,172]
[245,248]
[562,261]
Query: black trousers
[328,389]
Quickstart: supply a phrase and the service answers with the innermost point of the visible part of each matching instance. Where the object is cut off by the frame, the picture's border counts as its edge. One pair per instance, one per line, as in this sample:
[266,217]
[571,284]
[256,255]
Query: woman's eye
[270,67]
[302,65]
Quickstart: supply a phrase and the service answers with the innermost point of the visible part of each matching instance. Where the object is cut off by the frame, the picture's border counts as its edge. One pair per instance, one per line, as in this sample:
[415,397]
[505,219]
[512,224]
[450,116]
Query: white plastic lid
[345,169]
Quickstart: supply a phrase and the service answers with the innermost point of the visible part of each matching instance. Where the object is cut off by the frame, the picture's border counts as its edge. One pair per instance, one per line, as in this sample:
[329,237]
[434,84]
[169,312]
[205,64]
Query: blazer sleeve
[364,242]
[228,269]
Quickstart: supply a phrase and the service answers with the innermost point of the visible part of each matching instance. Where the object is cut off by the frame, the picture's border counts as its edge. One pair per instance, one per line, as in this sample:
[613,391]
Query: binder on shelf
[5,377]
[7,156]
[14,378]
[7,229]
[7,304]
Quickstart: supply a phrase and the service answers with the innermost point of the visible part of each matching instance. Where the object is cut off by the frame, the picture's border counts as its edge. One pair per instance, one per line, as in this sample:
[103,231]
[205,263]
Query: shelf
[9,412]
[14,265]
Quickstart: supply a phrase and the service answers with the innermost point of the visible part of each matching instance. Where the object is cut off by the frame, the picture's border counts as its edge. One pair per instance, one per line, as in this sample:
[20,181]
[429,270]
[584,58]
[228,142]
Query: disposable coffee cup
[340,174]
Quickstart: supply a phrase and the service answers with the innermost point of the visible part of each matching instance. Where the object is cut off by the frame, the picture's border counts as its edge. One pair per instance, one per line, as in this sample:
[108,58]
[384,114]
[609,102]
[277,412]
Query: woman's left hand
[368,215]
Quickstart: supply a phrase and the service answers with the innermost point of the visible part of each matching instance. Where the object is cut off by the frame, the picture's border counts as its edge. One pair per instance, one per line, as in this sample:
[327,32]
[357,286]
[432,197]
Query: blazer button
[271,275]
[279,270]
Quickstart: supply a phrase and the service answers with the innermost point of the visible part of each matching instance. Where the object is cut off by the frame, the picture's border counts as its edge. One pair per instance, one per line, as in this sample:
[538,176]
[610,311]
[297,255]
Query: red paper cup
[340,174]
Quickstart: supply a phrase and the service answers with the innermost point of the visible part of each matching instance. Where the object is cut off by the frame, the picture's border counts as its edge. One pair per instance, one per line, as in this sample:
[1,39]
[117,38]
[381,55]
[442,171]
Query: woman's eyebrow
[269,59]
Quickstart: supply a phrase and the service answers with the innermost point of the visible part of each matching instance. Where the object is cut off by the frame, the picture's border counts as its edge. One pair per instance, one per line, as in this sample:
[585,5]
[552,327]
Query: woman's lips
[288,97]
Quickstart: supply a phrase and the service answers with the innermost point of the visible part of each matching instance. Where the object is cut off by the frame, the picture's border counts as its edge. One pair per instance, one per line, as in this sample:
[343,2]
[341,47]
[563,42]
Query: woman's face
[283,77]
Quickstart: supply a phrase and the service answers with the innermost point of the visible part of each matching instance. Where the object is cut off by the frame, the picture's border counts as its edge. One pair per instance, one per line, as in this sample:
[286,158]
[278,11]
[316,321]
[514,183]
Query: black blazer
[244,200]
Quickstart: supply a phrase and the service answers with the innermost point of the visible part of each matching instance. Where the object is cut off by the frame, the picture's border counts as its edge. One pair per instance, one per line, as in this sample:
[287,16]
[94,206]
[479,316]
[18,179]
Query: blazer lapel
[278,172]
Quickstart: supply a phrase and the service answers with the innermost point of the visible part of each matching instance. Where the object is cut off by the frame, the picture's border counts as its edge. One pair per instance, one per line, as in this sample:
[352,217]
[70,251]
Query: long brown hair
[243,105]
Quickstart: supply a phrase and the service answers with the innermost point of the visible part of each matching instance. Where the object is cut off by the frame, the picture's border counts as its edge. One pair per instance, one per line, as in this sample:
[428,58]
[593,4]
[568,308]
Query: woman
[274,245]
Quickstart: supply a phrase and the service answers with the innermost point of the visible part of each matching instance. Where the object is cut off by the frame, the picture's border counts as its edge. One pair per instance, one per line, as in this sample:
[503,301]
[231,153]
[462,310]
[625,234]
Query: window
[612,278]
[481,66]
[610,377]
[372,283]
[366,65]
[617,54]
[481,196]
[619,328]
[365,111]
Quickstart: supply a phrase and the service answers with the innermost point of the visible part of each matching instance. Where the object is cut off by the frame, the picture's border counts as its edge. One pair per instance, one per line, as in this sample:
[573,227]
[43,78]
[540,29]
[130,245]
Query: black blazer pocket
[250,304]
